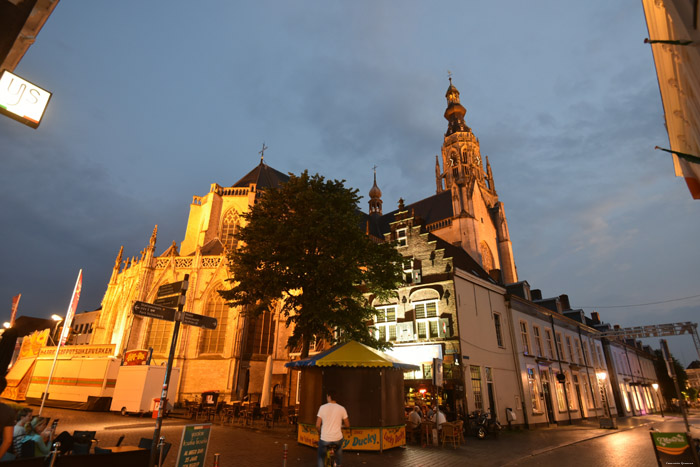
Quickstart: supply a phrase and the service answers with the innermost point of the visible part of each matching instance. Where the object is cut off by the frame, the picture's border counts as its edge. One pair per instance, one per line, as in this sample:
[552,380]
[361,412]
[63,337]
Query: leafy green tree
[668,389]
[303,247]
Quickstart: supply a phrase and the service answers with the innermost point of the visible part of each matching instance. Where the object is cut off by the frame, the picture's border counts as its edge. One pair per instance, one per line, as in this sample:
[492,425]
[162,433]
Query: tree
[303,248]
[668,389]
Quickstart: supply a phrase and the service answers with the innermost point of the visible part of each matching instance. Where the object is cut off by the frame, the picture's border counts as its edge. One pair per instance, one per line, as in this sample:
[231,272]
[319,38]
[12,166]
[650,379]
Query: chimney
[536,294]
[564,300]
[616,327]
[595,317]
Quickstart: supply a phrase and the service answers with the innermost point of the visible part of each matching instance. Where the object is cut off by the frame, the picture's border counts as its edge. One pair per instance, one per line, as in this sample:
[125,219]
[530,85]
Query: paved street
[582,444]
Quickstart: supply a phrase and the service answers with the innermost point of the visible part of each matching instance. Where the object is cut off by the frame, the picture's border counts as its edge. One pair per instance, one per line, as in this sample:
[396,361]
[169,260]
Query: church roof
[212,248]
[263,176]
[461,259]
[431,209]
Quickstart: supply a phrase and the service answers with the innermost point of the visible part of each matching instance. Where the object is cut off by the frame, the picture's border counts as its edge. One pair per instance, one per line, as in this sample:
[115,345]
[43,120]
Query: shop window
[534,391]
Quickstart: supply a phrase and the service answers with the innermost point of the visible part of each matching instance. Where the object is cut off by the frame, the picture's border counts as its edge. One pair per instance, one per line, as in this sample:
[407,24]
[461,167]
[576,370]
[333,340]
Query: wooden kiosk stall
[368,383]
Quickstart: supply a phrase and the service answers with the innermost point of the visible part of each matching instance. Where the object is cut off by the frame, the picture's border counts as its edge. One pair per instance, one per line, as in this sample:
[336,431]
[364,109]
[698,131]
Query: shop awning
[352,354]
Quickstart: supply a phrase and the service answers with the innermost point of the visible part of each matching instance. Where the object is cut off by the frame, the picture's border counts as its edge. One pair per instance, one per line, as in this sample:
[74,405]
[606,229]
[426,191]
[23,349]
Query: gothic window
[261,334]
[160,333]
[486,257]
[229,227]
[212,341]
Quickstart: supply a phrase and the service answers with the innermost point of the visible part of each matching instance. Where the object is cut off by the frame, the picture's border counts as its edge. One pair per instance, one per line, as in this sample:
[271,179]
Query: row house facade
[562,367]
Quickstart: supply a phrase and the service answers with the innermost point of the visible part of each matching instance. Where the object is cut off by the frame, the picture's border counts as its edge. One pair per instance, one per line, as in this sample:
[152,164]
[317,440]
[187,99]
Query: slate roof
[263,176]
[431,209]
[461,259]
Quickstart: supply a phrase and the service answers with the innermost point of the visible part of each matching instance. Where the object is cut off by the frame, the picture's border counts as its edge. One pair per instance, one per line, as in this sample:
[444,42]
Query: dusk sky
[155,101]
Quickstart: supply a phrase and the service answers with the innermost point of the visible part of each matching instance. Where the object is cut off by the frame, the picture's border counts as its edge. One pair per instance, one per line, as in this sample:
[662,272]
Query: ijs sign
[22,100]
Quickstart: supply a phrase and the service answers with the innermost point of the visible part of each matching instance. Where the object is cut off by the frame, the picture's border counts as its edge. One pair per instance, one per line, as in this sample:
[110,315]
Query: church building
[464,216]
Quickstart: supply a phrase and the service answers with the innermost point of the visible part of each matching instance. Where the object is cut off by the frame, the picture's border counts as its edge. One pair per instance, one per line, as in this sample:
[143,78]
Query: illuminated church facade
[465,214]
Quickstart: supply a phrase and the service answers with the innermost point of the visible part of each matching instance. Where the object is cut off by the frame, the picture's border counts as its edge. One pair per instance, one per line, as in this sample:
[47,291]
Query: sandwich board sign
[193,445]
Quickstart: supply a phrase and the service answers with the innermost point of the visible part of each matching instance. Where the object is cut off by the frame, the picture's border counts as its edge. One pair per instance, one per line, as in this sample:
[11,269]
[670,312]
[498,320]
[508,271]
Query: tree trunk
[305,344]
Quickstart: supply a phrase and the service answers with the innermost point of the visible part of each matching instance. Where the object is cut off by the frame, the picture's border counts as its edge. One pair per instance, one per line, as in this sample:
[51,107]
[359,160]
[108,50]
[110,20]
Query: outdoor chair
[26,449]
[459,426]
[449,435]
[99,450]
[145,443]
[119,441]
[82,441]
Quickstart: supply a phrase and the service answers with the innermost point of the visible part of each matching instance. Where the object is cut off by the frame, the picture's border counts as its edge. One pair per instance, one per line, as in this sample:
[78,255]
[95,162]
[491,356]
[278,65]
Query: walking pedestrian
[330,419]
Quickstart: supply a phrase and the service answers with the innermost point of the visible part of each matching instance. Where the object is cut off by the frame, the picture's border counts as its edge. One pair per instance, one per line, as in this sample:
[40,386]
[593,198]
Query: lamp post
[658,398]
[608,423]
[58,320]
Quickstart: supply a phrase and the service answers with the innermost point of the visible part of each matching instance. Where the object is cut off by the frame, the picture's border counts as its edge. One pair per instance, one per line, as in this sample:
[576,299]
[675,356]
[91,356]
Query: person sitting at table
[414,417]
[42,435]
[439,418]
[24,416]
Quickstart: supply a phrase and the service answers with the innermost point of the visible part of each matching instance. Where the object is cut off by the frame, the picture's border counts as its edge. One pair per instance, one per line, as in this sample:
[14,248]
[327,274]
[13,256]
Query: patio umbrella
[267,382]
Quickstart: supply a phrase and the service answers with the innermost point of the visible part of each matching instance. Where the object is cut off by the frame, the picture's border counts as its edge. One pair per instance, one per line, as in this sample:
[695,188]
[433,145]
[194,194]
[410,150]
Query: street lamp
[658,398]
[6,325]
[604,394]
[58,320]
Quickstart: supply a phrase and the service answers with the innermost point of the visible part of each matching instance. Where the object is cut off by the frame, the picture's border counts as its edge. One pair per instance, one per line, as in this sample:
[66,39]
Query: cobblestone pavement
[260,446]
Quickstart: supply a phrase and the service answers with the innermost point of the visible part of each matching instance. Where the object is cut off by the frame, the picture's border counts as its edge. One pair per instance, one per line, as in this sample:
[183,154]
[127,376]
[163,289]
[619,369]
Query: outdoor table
[124,448]
[426,433]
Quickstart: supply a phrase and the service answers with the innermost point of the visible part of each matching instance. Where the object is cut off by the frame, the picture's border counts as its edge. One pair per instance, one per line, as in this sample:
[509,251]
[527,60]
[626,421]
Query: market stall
[368,383]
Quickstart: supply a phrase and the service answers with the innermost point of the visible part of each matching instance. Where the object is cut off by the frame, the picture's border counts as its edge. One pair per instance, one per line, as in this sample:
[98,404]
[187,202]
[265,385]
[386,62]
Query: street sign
[201,321]
[171,289]
[171,302]
[153,311]
[193,445]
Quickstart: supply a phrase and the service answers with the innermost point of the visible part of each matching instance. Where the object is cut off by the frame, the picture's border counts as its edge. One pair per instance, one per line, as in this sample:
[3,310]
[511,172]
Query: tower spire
[375,197]
[454,114]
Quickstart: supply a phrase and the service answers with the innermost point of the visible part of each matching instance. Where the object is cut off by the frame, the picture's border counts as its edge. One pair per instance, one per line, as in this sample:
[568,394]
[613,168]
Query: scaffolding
[657,330]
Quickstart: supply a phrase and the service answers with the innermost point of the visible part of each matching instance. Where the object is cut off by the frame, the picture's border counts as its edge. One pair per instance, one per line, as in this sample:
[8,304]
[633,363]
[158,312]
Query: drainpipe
[588,373]
[561,370]
[516,362]
[634,390]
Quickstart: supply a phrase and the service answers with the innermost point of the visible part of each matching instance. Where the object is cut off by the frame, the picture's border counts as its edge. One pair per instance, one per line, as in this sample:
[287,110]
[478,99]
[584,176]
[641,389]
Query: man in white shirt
[439,418]
[414,418]
[330,419]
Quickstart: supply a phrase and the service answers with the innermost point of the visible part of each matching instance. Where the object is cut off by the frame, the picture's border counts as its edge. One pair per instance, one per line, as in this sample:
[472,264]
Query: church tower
[479,222]
[375,198]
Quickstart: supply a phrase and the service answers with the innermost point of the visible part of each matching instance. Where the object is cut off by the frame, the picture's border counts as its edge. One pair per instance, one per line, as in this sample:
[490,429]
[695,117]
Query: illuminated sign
[22,100]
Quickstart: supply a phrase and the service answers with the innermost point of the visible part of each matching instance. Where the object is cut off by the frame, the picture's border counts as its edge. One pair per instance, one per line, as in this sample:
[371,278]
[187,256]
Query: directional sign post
[149,310]
[201,321]
[179,288]
[170,297]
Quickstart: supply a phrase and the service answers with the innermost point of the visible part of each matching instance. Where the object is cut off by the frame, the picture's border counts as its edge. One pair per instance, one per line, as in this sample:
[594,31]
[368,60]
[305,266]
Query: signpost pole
[166,380]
